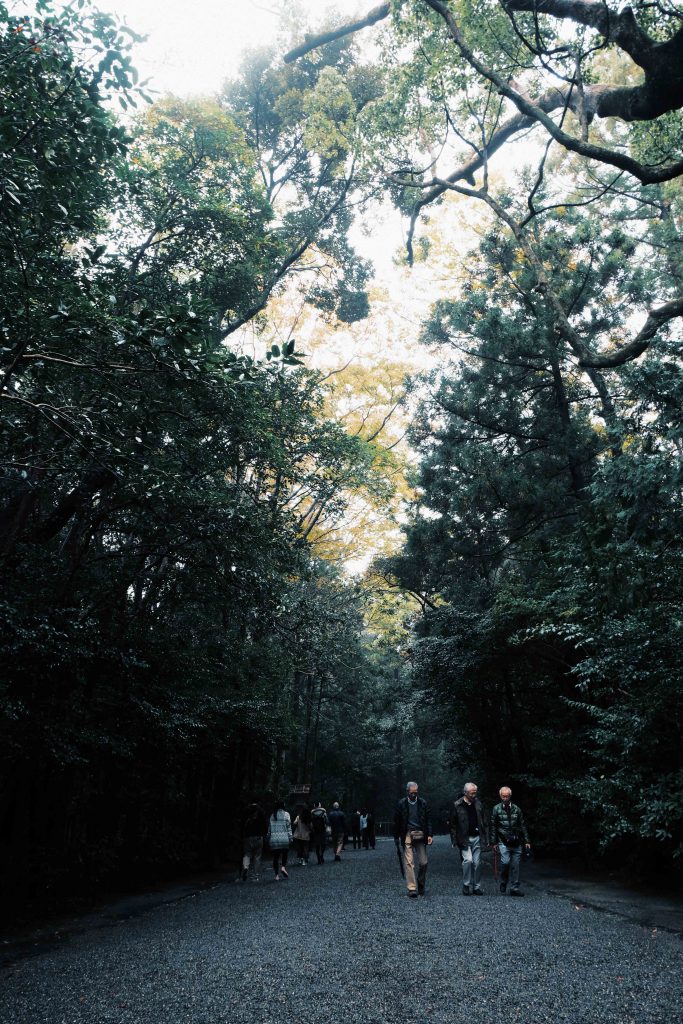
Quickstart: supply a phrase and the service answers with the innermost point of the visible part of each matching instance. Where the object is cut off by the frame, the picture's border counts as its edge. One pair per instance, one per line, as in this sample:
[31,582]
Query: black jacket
[337,821]
[401,819]
[460,823]
[255,822]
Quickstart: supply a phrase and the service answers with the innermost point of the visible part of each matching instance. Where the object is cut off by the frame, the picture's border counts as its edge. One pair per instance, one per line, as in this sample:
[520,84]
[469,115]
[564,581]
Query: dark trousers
[279,858]
[319,842]
[356,840]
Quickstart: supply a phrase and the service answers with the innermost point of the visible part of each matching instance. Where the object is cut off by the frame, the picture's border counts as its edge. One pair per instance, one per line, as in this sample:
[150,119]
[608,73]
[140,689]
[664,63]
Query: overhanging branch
[313,42]
[656,318]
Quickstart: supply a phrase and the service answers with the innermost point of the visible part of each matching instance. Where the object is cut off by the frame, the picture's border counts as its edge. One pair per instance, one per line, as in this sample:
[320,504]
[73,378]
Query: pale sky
[194,46]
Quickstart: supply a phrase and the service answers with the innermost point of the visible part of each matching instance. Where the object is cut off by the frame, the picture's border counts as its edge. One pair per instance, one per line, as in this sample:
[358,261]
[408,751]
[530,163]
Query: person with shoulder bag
[279,838]
[510,834]
[413,834]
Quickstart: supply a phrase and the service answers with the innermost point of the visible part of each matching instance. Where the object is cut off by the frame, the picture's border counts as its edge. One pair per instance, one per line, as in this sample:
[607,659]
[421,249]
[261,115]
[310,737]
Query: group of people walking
[470,831]
[312,829]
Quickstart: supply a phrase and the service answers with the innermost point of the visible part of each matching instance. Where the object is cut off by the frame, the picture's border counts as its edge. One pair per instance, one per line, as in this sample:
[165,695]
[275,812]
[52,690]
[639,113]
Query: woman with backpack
[319,830]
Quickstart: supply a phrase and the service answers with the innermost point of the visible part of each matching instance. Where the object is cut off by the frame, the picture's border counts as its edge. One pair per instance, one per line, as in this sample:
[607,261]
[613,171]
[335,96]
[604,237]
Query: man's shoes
[412,894]
[337,857]
[503,887]
[516,892]
[420,892]
[466,891]
[478,892]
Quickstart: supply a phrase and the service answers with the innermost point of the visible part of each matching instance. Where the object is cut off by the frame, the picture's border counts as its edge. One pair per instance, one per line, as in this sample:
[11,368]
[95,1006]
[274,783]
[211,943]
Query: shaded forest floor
[649,906]
[344,936]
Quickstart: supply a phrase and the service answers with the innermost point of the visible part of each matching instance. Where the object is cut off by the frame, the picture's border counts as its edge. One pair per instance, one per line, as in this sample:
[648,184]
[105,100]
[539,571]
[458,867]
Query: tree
[456,73]
[159,490]
[544,536]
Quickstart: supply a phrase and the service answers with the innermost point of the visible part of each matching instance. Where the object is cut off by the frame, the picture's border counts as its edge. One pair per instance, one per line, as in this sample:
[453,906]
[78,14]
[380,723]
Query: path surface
[342,943]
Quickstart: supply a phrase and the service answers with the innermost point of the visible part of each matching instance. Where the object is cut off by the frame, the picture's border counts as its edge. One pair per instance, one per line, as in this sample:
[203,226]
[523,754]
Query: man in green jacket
[509,832]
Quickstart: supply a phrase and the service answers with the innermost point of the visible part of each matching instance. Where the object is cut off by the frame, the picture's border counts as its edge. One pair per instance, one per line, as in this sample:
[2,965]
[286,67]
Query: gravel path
[341,943]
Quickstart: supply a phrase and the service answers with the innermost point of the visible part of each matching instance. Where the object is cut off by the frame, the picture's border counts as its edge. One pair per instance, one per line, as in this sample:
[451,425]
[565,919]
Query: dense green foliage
[544,542]
[169,635]
[547,533]
[176,632]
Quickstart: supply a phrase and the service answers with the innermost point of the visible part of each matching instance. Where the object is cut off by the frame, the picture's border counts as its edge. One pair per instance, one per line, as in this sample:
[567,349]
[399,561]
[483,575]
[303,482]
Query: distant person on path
[254,830]
[413,832]
[356,829]
[509,833]
[364,830]
[279,838]
[337,822]
[372,838]
[319,830]
[468,826]
[302,833]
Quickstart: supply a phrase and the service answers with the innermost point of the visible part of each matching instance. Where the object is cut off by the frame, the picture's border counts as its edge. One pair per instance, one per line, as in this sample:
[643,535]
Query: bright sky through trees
[193,48]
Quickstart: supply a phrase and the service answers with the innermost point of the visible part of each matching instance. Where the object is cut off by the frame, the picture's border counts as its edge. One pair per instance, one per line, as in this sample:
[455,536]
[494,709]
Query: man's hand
[429,840]
[527,846]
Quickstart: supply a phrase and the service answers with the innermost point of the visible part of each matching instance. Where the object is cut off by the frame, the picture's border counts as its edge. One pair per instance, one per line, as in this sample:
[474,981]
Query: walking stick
[400,860]
[495,861]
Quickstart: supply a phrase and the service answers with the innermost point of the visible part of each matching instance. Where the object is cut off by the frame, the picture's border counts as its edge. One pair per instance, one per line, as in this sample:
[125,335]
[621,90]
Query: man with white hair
[413,832]
[509,832]
[468,831]
[337,820]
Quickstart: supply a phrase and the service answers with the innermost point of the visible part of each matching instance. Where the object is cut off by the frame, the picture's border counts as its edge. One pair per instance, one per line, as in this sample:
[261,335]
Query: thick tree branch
[313,42]
[656,318]
[620,28]
[601,100]
[587,359]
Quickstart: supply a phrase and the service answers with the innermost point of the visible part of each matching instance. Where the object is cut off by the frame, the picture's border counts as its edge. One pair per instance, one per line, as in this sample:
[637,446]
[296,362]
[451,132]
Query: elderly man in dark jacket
[469,831]
[509,832]
[413,831]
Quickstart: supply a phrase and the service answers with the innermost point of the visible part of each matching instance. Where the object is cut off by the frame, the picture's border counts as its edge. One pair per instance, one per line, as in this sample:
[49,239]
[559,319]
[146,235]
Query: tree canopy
[188,603]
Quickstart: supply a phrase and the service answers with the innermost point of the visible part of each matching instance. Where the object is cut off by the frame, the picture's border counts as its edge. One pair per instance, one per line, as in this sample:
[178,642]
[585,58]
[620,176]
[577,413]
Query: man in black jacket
[337,821]
[468,831]
[254,828]
[413,832]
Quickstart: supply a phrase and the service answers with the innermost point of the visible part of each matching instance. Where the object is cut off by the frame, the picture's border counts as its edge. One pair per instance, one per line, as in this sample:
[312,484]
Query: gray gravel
[341,943]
